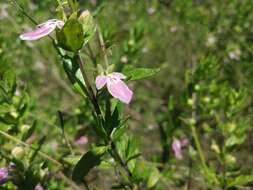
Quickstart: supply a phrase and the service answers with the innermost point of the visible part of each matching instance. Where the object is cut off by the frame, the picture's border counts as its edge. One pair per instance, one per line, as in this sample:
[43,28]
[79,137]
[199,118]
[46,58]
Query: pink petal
[59,24]
[41,31]
[82,140]
[184,141]
[176,147]
[100,81]
[120,91]
[118,75]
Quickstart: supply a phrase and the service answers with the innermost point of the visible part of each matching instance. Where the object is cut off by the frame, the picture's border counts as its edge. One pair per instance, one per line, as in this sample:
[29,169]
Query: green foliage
[70,37]
[139,73]
[88,161]
[202,92]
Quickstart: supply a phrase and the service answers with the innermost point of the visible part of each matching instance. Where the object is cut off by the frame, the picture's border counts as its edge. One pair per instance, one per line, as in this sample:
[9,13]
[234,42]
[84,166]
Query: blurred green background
[174,35]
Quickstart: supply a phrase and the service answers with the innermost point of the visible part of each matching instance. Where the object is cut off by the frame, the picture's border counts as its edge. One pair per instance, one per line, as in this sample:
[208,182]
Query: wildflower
[4,174]
[211,40]
[151,10]
[81,140]
[124,59]
[177,146]
[42,30]
[235,55]
[116,87]
[39,187]
[173,29]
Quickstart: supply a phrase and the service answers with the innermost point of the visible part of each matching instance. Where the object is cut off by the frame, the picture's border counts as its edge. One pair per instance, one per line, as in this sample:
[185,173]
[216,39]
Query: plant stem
[62,10]
[114,153]
[87,83]
[103,48]
[42,154]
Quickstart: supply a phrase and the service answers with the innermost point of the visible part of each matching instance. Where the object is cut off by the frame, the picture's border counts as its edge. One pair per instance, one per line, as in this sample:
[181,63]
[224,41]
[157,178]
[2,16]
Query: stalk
[114,153]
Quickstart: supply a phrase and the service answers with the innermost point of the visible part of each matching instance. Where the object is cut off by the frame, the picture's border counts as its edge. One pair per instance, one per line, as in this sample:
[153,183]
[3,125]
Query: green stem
[201,155]
[42,154]
[103,48]
[114,153]
[91,93]
[62,10]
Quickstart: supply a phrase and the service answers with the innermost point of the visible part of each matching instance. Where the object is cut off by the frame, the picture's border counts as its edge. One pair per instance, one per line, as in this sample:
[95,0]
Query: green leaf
[88,161]
[29,132]
[240,180]
[5,108]
[112,120]
[72,160]
[10,81]
[70,37]
[139,73]
[118,132]
[89,27]
[99,150]
[153,177]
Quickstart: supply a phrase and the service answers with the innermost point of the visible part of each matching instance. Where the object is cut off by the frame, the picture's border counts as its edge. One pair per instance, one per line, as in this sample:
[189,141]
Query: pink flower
[116,87]
[42,30]
[39,187]
[81,140]
[4,174]
[177,146]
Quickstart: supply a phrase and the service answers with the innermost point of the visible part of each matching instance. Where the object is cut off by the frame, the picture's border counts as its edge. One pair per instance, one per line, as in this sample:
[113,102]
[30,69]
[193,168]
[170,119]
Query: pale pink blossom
[116,87]
[42,30]
[39,187]
[82,140]
[177,146]
[235,55]
[151,10]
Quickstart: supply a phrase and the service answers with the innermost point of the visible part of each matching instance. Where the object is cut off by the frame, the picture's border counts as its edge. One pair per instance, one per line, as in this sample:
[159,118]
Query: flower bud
[197,87]
[25,128]
[206,99]
[190,101]
[18,152]
[230,159]
[215,148]
[192,121]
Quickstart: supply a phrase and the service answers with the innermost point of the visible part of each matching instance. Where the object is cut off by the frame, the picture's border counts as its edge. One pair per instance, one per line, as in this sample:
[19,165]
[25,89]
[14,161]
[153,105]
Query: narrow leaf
[140,73]
[88,161]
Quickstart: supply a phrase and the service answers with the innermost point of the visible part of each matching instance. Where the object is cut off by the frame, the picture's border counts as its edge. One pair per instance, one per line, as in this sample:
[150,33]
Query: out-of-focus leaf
[10,81]
[99,150]
[37,148]
[240,180]
[28,133]
[72,160]
[139,73]
[153,177]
